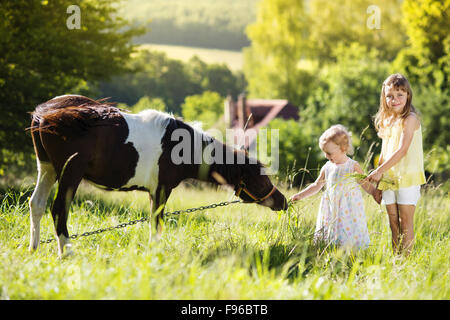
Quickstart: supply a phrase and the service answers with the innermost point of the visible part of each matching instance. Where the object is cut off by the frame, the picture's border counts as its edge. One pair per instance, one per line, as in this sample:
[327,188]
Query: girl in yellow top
[401,159]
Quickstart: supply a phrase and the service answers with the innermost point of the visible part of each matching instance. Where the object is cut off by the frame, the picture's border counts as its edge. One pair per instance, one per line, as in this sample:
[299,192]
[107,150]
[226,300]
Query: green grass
[233,59]
[240,251]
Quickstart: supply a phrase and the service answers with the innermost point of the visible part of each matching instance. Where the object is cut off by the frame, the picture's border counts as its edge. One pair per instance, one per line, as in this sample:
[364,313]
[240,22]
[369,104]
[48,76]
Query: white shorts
[409,195]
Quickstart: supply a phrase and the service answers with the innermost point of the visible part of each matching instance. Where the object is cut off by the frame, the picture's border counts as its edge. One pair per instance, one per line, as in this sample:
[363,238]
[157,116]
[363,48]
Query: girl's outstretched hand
[295,197]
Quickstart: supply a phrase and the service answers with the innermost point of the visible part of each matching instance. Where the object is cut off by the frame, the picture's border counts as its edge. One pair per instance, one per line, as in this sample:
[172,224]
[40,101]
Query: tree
[427,57]
[153,74]
[349,94]
[206,108]
[149,103]
[156,75]
[328,58]
[289,34]
[348,21]
[426,63]
[299,153]
[277,45]
[200,23]
[40,57]
[215,77]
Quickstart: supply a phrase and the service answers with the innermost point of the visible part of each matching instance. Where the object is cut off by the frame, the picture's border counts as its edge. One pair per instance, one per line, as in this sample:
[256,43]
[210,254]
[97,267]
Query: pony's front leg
[157,205]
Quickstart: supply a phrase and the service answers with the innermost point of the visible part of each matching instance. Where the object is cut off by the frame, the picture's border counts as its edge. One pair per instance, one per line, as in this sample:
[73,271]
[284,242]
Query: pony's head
[254,186]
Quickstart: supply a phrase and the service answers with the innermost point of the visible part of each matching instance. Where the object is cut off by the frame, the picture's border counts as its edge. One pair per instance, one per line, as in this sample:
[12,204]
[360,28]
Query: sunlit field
[233,59]
[241,251]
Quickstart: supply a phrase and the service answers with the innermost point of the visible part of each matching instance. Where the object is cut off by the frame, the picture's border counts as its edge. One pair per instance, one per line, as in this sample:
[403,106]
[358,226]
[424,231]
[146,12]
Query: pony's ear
[262,164]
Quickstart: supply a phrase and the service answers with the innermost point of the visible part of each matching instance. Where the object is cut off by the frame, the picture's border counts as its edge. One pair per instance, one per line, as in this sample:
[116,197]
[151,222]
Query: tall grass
[242,251]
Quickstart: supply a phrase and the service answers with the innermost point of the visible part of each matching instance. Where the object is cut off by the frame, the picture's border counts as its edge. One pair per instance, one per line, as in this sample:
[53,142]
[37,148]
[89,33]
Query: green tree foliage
[426,62]
[433,104]
[156,75]
[153,75]
[200,23]
[300,157]
[40,57]
[348,21]
[206,108]
[427,57]
[330,59]
[289,32]
[278,41]
[349,95]
[215,77]
[149,103]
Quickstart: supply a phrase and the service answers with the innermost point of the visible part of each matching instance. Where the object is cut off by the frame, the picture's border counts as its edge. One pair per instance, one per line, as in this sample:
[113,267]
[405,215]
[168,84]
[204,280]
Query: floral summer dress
[341,218]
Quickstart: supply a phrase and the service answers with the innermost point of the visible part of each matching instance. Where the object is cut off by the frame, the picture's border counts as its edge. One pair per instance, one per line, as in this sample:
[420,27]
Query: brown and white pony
[78,138]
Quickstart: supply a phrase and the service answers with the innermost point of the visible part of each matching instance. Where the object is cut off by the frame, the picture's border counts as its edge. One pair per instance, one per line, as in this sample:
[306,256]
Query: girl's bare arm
[411,124]
[368,187]
[312,189]
[365,184]
[381,159]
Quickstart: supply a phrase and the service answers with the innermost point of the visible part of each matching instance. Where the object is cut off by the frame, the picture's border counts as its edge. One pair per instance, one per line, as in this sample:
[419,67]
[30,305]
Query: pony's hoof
[66,254]
[155,238]
[66,251]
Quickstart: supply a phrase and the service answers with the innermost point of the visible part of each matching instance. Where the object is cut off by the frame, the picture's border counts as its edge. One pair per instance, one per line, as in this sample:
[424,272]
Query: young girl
[341,218]
[401,159]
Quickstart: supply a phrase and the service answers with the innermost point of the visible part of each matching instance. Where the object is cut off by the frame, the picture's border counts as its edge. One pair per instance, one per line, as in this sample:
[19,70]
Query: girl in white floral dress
[341,218]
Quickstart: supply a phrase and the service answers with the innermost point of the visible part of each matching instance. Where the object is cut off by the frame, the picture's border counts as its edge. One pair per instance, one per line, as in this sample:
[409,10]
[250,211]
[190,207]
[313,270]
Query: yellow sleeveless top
[409,170]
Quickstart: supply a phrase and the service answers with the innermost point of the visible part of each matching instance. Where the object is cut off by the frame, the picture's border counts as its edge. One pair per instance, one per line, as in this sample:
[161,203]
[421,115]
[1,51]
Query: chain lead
[132,222]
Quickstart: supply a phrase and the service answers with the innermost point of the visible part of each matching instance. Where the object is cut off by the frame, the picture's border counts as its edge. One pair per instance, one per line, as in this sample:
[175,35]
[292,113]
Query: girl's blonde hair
[340,136]
[398,81]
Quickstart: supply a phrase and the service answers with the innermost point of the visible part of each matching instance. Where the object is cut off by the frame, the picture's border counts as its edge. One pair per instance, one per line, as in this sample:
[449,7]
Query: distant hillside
[200,23]
[232,59]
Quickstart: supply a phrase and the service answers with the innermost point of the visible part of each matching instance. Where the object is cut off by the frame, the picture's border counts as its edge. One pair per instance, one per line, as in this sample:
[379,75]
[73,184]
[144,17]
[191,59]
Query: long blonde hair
[398,81]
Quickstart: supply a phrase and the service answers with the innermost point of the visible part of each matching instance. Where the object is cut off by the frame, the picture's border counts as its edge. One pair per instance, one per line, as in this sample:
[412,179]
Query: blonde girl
[341,218]
[401,159]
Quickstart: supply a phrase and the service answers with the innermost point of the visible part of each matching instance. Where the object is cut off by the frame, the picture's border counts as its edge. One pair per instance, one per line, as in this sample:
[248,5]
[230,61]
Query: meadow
[203,23]
[233,59]
[241,251]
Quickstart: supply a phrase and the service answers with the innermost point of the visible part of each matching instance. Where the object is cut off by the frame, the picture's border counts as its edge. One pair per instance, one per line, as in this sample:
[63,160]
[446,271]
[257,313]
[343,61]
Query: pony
[76,137]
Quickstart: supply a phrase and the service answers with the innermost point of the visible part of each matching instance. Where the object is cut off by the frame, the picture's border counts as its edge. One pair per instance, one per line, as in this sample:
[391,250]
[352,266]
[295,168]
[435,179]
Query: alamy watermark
[74,20]
[374,20]
[198,148]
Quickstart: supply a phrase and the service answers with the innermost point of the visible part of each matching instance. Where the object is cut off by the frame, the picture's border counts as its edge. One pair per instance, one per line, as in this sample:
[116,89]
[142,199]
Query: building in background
[245,114]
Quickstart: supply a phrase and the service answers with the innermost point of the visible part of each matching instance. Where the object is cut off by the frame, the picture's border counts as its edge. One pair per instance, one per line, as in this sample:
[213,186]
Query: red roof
[263,111]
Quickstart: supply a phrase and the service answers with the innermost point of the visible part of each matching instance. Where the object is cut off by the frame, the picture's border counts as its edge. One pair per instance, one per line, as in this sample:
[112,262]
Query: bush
[171,80]
[149,103]
[206,108]
[348,94]
[299,154]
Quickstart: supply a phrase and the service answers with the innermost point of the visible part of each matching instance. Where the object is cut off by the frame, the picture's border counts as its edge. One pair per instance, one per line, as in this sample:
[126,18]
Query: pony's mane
[218,173]
[223,173]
